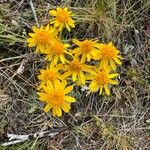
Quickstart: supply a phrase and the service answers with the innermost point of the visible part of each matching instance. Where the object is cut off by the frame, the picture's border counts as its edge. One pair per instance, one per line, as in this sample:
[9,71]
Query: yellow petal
[97,55]
[119,57]
[107,90]
[67,26]
[40,77]
[58,84]
[113,82]
[82,77]
[77,42]
[60,77]
[68,89]
[54,111]
[78,83]
[61,27]
[101,90]
[39,48]
[55,60]
[62,58]
[47,28]
[31,42]
[58,111]
[77,51]
[93,86]
[69,53]
[66,107]
[52,66]
[83,58]
[70,99]
[90,71]
[113,65]
[113,75]
[41,28]
[117,61]
[32,35]
[66,9]
[66,74]
[43,97]
[49,57]
[41,71]
[56,24]
[52,21]
[52,12]
[34,28]
[67,45]
[47,107]
[41,86]
[63,84]
[58,67]
[71,23]
[94,52]
[107,69]
[88,58]
[47,89]
[74,77]
[98,45]
[110,44]
[50,85]
[59,9]
[89,77]
[104,64]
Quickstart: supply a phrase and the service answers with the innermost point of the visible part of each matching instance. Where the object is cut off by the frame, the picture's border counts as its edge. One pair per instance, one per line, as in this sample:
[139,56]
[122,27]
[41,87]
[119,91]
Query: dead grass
[120,121]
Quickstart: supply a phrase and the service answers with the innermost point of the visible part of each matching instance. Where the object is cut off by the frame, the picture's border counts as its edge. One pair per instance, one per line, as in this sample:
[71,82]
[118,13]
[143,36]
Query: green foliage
[9,37]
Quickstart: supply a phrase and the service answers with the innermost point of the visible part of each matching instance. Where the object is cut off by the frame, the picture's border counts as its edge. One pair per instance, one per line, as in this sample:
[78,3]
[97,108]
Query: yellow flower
[56,51]
[55,97]
[87,49]
[50,74]
[76,69]
[41,38]
[63,18]
[101,79]
[108,55]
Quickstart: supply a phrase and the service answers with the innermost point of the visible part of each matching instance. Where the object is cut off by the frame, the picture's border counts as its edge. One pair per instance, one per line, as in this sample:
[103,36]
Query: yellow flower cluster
[69,66]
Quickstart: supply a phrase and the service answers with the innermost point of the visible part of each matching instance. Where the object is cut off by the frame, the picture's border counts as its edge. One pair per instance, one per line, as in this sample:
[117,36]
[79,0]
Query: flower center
[86,46]
[75,66]
[42,37]
[102,78]
[57,98]
[63,16]
[58,48]
[50,75]
[108,52]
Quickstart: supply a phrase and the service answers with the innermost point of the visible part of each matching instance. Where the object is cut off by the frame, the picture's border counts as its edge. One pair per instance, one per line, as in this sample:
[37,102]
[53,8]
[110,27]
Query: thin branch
[14,139]
[34,13]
